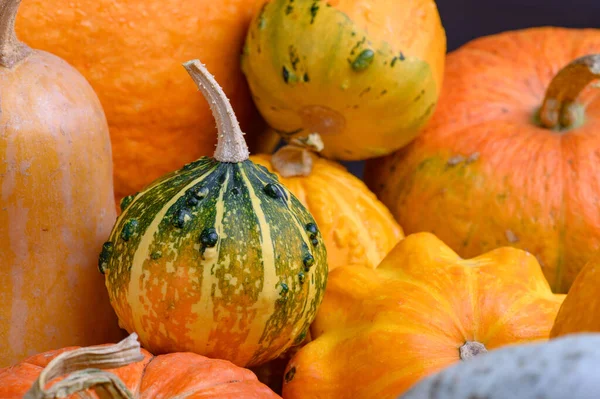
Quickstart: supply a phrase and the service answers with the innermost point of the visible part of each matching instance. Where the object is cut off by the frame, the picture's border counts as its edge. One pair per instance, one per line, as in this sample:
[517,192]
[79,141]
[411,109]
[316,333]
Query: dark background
[465,20]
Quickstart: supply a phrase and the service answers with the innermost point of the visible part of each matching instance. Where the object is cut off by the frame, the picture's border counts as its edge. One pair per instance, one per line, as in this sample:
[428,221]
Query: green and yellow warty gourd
[218,258]
[363,74]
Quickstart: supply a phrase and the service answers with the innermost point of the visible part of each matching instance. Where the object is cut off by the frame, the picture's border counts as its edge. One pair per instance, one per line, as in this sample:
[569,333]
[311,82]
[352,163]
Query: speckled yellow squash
[217,258]
[364,74]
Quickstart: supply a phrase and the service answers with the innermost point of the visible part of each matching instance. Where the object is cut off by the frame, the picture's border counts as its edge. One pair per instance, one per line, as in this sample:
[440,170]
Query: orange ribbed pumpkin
[133,373]
[512,154]
[56,203]
[126,50]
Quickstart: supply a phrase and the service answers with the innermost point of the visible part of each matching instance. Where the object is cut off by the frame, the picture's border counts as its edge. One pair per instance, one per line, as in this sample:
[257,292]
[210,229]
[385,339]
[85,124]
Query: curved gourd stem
[11,49]
[558,109]
[231,145]
[83,366]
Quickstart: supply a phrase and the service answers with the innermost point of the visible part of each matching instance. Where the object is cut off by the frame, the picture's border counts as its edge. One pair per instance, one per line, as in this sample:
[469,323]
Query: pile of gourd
[280,274]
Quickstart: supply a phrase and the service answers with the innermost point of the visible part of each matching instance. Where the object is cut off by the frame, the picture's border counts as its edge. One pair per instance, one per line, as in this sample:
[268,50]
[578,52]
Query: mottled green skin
[367,90]
[164,321]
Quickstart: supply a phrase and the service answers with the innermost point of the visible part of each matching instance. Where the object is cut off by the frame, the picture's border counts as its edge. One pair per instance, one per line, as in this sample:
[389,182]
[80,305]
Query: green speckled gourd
[363,74]
[217,258]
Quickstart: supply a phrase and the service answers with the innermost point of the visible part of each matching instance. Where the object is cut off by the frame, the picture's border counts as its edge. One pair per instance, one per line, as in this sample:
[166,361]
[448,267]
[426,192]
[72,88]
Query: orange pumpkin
[356,227]
[580,312]
[510,157]
[378,331]
[126,51]
[56,202]
[132,373]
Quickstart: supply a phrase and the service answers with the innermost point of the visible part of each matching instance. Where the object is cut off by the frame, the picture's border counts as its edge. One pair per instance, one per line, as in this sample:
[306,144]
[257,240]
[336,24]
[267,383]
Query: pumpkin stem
[82,365]
[231,146]
[559,110]
[296,158]
[471,349]
[11,49]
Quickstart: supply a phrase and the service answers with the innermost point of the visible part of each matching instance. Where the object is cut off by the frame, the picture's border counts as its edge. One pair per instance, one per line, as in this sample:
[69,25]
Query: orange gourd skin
[56,209]
[154,377]
[384,329]
[484,174]
[356,227]
[580,312]
[126,51]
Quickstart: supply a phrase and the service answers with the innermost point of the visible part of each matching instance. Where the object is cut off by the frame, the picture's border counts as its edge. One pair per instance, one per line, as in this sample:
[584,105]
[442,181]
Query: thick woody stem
[559,108]
[231,145]
[11,49]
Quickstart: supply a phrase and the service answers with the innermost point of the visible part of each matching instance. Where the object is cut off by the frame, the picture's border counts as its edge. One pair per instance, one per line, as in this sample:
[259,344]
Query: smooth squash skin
[365,75]
[491,169]
[422,309]
[217,258]
[126,49]
[56,202]
[580,312]
[558,369]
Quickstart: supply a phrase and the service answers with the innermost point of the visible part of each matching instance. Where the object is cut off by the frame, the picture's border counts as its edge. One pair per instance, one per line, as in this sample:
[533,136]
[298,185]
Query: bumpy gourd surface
[129,52]
[364,75]
[356,227]
[217,258]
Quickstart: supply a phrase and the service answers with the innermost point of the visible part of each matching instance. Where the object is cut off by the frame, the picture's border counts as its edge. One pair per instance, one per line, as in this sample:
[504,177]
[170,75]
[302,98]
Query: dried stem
[231,146]
[297,158]
[82,366]
[470,349]
[559,108]
[12,50]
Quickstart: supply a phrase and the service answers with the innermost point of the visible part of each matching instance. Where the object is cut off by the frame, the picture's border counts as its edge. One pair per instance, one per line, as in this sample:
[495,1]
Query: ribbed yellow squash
[424,308]
[356,227]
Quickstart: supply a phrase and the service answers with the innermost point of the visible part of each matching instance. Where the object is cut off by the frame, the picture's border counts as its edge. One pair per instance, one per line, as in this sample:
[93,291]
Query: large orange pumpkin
[580,312]
[126,50]
[511,156]
[378,331]
[356,227]
[56,202]
[132,373]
